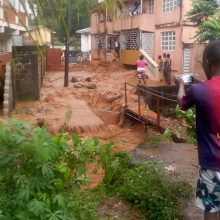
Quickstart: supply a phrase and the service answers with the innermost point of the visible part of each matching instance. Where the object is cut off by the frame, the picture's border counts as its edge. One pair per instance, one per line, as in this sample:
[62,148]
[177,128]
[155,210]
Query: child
[167,69]
[141,63]
[205,97]
[161,67]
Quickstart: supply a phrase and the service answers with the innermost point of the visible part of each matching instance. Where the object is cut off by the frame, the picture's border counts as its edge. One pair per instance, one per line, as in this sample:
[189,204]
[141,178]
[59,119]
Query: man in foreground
[205,97]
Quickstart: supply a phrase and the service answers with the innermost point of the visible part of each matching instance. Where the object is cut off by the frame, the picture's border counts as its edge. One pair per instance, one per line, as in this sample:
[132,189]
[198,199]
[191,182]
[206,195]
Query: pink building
[155,26]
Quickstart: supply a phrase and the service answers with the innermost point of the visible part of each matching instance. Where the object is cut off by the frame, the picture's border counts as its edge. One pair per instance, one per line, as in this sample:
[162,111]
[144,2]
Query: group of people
[165,64]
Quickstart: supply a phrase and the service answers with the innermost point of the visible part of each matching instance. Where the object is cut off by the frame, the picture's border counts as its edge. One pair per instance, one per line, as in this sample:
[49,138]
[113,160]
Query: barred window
[168,40]
[151,6]
[169,5]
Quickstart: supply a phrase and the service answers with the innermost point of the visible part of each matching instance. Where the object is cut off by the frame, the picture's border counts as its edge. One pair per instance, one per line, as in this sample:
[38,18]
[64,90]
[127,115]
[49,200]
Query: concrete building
[12,24]
[85,42]
[155,26]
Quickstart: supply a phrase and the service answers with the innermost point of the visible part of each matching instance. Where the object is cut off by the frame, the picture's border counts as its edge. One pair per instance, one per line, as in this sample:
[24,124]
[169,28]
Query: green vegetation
[189,117]
[41,177]
[205,15]
[44,177]
[148,188]
[155,140]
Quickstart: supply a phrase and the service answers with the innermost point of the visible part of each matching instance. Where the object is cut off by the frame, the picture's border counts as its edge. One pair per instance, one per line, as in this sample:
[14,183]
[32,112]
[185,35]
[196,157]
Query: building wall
[186,6]
[176,55]
[85,42]
[196,62]
[157,23]
[11,24]
[165,17]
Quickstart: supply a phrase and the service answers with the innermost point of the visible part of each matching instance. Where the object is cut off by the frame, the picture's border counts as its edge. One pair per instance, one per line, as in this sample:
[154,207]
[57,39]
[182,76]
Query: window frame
[151,7]
[168,40]
[169,6]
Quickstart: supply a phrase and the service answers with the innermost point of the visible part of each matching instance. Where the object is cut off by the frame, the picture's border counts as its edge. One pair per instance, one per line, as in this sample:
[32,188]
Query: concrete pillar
[8,96]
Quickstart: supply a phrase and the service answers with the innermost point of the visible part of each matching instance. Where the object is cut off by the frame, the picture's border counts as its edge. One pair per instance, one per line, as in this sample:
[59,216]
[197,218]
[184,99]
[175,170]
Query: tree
[202,10]
[205,15]
[53,14]
[209,30]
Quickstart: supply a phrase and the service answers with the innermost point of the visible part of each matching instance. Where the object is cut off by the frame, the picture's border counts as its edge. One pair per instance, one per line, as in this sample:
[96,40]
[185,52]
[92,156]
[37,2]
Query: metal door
[147,43]
[186,61]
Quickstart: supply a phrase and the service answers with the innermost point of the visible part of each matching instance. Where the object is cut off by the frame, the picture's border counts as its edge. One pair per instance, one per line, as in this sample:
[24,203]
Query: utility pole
[66,76]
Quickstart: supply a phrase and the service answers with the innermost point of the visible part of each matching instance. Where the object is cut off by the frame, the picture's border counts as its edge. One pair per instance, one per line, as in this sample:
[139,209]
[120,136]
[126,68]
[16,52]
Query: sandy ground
[96,112]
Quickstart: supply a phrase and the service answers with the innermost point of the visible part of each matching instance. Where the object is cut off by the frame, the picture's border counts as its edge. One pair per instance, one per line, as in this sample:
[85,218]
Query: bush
[41,177]
[148,188]
[189,117]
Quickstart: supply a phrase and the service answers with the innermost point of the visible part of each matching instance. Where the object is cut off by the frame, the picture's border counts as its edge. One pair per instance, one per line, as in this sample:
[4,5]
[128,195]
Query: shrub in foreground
[41,176]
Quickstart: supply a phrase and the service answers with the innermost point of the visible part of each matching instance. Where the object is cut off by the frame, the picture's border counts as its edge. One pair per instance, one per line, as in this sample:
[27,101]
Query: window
[151,6]
[168,40]
[169,5]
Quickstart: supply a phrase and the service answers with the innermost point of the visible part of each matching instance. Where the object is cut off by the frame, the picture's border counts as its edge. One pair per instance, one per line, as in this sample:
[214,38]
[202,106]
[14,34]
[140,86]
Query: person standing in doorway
[117,48]
[141,64]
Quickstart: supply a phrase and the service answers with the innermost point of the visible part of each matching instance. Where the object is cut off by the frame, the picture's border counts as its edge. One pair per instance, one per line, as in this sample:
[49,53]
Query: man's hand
[181,92]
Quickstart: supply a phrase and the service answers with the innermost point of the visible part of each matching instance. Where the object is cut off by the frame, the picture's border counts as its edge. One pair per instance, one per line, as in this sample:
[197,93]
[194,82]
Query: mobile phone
[187,78]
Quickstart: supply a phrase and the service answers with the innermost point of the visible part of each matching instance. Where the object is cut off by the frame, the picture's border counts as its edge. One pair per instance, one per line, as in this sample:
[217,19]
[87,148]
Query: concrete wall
[167,17]
[196,62]
[176,55]
[27,72]
[9,101]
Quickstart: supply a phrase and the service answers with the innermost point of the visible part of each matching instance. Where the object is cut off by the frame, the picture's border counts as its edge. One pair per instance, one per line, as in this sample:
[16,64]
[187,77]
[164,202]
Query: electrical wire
[159,96]
[167,94]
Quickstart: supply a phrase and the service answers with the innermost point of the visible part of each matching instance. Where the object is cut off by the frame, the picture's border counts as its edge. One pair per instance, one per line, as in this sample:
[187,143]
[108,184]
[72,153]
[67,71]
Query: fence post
[158,112]
[126,98]
[139,102]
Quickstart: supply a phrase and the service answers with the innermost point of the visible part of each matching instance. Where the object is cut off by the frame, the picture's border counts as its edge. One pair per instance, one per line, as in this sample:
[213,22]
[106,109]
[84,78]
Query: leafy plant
[189,117]
[148,188]
[113,163]
[157,139]
[41,176]
[205,15]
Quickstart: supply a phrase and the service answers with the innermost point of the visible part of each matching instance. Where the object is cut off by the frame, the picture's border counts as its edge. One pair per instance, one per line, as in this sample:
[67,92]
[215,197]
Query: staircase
[153,71]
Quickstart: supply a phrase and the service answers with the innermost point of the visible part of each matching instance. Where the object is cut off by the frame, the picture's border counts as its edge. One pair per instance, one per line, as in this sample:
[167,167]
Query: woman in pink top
[141,63]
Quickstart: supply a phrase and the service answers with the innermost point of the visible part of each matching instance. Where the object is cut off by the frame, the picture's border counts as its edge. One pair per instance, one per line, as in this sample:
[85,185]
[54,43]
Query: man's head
[211,59]
[141,57]
[159,57]
[164,55]
[168,55]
